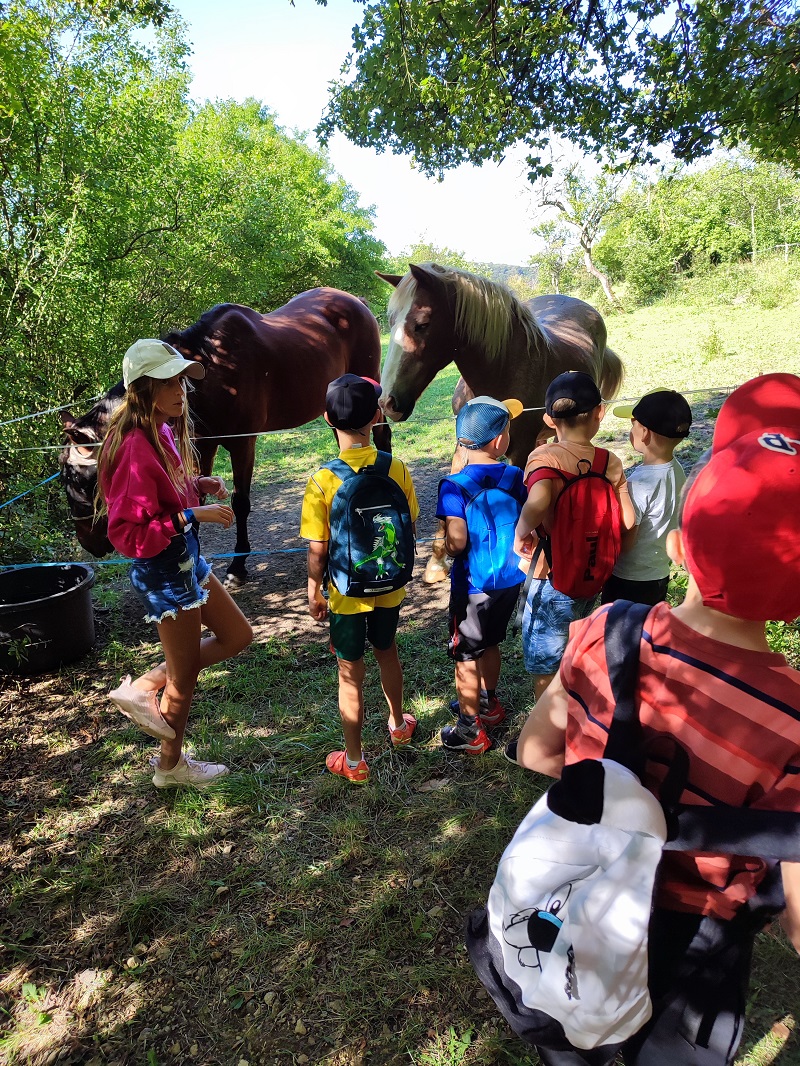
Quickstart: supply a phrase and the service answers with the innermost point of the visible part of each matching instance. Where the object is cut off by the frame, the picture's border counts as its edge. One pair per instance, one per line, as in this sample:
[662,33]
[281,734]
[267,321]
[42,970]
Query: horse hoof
[234,581]
[435,572]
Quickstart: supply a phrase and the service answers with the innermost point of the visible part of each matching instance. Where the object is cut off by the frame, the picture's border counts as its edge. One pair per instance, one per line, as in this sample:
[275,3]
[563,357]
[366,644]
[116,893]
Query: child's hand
[212,486]
[523,546]
[218,513]
[318,607]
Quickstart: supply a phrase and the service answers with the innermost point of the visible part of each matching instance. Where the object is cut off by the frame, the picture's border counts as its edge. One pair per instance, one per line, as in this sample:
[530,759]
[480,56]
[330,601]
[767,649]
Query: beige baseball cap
[151,358]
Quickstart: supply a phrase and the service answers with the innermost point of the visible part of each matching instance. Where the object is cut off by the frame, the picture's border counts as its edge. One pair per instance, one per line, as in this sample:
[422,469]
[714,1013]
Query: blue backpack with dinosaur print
[371,546]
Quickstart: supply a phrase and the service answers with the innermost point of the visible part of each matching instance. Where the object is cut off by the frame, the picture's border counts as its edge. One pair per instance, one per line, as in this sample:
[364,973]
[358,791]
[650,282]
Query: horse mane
[485,311]
[195,338]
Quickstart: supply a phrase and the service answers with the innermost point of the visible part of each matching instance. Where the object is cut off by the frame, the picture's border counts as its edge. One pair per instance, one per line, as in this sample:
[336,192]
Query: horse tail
[611,374]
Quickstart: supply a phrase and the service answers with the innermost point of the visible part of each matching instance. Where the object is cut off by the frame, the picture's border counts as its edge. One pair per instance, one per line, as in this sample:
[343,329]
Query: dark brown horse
[263,372]
[502,347]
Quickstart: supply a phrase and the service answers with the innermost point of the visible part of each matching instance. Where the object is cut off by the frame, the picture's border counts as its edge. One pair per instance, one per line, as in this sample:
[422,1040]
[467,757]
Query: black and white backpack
[562,943]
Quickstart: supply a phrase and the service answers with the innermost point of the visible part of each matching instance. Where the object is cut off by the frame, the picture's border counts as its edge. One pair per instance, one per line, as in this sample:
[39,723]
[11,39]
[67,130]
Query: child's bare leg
[540,683]
[180,638]
[230,633]
[468,687]
[351,705]
[391,682]
[489,666]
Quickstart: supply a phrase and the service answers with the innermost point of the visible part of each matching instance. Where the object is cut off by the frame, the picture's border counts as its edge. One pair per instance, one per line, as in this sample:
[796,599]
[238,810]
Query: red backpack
[584,543]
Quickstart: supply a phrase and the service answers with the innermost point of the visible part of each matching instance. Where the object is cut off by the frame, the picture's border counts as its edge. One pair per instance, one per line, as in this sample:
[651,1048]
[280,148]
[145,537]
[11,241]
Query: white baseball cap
[156,359]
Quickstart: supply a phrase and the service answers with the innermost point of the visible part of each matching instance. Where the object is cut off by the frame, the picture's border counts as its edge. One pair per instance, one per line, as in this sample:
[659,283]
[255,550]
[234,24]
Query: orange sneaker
[337,764]
[404,734]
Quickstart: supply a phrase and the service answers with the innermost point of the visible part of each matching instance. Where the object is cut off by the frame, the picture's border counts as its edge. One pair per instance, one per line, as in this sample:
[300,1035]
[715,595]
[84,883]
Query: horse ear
[390,279]
[67,420]
[423,276]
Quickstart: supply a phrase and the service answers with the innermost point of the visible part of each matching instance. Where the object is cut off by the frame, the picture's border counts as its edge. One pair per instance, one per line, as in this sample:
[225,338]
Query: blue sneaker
[492,712]
[467,734]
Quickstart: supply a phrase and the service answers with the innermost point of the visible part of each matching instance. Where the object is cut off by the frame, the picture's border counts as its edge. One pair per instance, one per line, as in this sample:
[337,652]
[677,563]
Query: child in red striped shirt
[708,680]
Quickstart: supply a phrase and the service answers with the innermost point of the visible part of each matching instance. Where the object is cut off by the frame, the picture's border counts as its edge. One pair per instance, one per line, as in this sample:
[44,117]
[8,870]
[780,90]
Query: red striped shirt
[735,711]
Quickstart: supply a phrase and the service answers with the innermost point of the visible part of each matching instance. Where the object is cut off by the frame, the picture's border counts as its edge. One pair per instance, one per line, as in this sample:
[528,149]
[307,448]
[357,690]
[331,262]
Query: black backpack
[371,547]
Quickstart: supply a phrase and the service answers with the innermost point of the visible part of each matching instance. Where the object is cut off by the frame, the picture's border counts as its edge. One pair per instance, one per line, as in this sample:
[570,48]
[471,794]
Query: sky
[285,56]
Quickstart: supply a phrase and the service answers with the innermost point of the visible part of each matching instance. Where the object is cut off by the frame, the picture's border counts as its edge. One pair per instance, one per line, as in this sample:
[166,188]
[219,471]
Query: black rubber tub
[46,617]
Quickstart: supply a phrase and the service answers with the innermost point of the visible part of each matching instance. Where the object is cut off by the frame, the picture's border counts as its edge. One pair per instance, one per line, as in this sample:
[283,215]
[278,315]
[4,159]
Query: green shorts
[350,632]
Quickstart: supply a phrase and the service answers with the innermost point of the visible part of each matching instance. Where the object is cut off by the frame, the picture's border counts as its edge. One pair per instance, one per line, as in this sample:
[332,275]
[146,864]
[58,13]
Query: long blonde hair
[138,411]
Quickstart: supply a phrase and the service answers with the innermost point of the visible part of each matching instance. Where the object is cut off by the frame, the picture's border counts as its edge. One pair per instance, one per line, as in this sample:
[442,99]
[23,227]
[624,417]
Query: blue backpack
[491,512]
[371,547]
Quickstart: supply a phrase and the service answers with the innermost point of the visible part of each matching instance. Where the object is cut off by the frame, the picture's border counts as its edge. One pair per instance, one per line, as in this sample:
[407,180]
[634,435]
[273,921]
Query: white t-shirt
[655,490]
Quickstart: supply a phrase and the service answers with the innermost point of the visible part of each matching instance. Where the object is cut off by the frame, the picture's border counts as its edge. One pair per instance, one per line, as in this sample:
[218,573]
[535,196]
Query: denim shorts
[545,625]
[173,580]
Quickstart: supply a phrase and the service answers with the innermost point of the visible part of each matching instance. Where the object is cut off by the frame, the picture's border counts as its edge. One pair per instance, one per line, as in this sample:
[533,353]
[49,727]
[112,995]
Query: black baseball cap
[663,411]
[351,401]
[576,386]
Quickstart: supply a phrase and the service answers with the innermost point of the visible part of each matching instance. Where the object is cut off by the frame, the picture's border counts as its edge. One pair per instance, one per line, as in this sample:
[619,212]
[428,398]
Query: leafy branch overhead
[452,81]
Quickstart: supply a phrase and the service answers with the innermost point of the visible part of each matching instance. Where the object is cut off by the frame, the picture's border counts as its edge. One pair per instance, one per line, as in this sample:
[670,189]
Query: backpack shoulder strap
[465,482]
[382,464]
[623,634]
[600,461]
[546,473]
[506,482]
[339,467]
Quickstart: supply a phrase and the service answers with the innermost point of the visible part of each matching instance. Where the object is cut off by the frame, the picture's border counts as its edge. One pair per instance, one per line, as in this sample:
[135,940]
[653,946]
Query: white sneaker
[187,771]
[142,709]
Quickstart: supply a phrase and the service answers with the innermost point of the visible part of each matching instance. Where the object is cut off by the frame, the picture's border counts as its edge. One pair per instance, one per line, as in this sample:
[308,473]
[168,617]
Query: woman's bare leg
[230,634]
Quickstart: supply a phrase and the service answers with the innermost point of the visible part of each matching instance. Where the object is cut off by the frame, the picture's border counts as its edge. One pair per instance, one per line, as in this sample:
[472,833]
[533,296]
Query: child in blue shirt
[478,619]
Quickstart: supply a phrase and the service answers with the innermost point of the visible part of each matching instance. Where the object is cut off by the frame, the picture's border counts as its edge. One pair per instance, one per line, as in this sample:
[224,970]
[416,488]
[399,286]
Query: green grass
[286,917]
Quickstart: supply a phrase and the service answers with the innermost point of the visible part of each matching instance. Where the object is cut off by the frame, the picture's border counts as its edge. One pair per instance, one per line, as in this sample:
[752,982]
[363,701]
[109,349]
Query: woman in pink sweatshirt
[150,496]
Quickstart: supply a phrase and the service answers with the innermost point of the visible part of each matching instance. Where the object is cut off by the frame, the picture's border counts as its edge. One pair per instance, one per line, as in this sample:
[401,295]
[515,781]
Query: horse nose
[389,406]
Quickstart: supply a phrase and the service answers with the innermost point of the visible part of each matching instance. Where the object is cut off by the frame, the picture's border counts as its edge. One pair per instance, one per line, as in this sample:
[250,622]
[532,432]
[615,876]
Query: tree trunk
[601,277]
[753,231]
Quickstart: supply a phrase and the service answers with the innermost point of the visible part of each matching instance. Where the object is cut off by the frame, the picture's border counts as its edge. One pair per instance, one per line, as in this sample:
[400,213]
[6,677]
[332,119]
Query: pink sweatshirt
[141,498]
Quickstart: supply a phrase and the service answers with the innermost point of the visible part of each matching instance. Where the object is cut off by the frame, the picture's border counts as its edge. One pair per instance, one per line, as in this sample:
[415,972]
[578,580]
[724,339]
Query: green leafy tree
[269,218]
[422,251]
[123,213]
[87,133]
[687,222]
[554,257]
[583,203]
[456,81]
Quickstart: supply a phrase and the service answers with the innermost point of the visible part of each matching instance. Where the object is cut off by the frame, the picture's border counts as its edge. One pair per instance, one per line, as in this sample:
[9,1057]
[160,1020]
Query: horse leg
[243,454]
[439,562]
[382,436]
[207,450]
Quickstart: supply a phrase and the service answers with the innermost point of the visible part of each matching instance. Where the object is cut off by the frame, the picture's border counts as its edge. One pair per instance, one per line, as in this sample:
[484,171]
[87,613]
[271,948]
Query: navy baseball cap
[576,386]
[484,418]
[351,401]
[664,411]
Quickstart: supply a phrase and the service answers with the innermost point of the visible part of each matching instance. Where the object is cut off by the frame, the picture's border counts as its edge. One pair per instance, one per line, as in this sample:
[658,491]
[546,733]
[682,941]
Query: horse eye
[420,327]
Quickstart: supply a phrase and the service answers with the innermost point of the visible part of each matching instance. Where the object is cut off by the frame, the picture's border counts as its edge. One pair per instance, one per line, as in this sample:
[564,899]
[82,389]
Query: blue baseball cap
[484,418]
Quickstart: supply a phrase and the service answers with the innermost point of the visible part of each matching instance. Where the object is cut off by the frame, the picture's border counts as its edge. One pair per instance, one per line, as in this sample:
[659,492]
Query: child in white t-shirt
[659,421]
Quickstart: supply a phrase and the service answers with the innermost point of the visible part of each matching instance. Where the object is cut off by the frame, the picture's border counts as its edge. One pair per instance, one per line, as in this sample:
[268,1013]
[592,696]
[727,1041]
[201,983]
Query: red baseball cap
[741,516]
[771,399]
